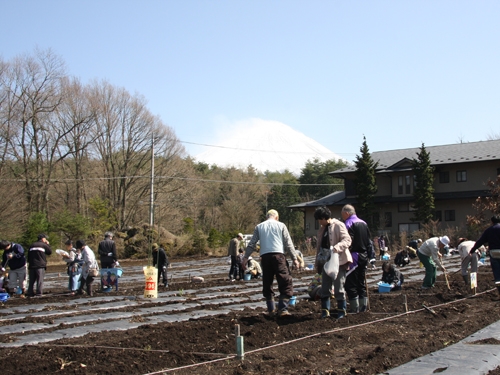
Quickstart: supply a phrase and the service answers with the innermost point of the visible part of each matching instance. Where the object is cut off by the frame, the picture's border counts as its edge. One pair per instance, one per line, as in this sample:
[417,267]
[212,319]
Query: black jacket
[37,255]
[106,247]
[161,257]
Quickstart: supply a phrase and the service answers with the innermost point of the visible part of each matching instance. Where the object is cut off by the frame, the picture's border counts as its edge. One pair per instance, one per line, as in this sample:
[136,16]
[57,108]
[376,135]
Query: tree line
[75,161]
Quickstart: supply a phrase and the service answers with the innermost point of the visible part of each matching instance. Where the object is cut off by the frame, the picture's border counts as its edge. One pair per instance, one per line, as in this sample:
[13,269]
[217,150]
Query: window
[449,215]
[403,207]
[316,224]
[408,228]
[408,184]
[437,216]
[376,220]
[400,185]
[461,176]
[444,177]
[414,181]
[498,171]
[388,219]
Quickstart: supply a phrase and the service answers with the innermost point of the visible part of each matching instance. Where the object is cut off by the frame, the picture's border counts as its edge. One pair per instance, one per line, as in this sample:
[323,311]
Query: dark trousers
[87,284]
[275,264]
[162,272]
[36,275]
[107,264]
[355,285]
[234,269]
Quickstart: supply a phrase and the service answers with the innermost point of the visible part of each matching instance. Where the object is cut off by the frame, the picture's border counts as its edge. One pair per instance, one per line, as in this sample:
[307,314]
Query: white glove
[110,254]
[117,264]
[3,269]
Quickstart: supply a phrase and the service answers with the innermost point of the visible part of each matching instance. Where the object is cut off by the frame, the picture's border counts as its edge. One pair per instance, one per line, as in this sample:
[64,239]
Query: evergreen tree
[366,185]
[424,190]
[316,172]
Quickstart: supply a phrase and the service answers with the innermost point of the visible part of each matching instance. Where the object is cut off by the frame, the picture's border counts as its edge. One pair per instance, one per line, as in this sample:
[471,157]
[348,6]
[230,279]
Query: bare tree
[125,128]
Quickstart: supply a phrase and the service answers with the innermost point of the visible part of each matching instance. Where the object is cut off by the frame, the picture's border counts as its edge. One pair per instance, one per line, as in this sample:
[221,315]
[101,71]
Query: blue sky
[399,72]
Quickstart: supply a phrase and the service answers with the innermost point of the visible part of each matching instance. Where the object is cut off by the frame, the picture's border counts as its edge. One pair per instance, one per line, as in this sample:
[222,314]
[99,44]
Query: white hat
[444,240]
[250,258]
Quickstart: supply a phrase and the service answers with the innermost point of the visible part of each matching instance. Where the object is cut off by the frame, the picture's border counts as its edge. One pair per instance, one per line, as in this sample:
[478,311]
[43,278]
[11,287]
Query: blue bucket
[247,277]
[4,297]
[293,301]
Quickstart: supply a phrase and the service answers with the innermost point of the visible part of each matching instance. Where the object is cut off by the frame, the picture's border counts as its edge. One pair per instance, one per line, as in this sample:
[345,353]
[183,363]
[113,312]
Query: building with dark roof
[460,174]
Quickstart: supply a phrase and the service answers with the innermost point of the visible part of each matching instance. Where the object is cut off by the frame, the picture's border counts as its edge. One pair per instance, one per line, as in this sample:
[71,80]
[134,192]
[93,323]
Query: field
[190,327]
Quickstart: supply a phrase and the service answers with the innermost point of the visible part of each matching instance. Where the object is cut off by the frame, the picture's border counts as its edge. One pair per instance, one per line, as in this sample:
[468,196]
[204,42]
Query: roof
[329,200]
[439,155]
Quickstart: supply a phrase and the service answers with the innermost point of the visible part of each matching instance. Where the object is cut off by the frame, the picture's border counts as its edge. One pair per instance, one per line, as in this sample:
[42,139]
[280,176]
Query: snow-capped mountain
[266,145]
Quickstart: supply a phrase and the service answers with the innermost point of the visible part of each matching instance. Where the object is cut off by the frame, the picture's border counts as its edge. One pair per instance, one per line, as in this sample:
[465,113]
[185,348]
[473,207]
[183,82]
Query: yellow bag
[151,287]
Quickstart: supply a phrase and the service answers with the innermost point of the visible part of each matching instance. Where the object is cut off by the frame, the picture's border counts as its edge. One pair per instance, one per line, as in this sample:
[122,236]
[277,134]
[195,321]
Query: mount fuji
[267,146]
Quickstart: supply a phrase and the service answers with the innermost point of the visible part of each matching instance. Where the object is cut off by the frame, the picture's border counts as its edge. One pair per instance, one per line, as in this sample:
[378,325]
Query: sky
[400,73]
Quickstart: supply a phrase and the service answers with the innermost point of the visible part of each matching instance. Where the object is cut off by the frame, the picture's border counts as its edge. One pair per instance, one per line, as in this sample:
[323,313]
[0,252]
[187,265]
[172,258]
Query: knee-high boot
[325,307]
[354,305]
[341,308]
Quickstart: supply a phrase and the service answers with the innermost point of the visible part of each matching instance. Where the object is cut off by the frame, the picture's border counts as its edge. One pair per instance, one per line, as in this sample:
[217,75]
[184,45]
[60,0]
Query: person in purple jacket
[360,248]
[491,236]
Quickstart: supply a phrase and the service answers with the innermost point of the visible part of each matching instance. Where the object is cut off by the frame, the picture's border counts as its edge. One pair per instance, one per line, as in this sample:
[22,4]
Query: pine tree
[366,185]
[424,190]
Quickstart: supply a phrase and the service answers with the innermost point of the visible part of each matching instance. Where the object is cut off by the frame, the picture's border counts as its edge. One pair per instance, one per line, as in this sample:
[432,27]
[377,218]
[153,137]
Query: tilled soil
[399,327]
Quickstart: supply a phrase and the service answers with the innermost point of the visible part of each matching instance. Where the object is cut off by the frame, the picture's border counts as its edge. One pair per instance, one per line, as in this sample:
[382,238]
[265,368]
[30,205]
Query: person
[74,263]
[332,237]
[14,257]
[300,259]
[239,261]
[160,258]
[232,252]
[314,288]
[491,236]
[402,257]
[413,246]
[89,263]
[382,245]
[253,268]
[464,247]
[107,251]
[275,241]
[355,283]
[37,264]
[430,256]
[392,276]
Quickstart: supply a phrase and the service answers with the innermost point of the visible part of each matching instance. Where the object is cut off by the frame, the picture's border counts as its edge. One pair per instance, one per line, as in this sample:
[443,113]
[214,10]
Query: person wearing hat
[14,258]
[89,263]
[232,252]
[491,236]
[160,258]
[253,268]
[275,241]
[430,256]
[107,251]
[37,263]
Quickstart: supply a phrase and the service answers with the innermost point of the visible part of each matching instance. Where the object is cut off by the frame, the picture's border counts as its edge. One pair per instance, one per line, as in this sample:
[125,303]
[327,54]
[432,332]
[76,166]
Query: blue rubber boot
[341,309]
[325,307]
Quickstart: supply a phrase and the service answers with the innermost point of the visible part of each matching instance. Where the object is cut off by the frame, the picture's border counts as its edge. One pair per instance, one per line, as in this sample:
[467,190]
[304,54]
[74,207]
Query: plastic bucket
[293,301]
[386,257]
[310,266]
[247,277]
[4,297]
[384,288]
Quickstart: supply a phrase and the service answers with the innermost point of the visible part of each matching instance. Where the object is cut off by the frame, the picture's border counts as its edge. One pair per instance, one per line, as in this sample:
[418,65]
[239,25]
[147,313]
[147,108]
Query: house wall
[453,211]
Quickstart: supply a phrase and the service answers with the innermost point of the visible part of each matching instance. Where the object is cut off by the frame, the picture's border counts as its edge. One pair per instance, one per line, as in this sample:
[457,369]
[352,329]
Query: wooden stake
[446,278]
[405,302]
[430,310]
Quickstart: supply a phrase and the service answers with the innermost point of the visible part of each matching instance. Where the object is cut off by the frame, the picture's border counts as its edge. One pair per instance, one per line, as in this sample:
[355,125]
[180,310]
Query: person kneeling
[253,268]
[392,276]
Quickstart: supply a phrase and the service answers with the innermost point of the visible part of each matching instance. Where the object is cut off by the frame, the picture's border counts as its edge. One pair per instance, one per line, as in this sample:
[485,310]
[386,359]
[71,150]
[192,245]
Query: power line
[176,178]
